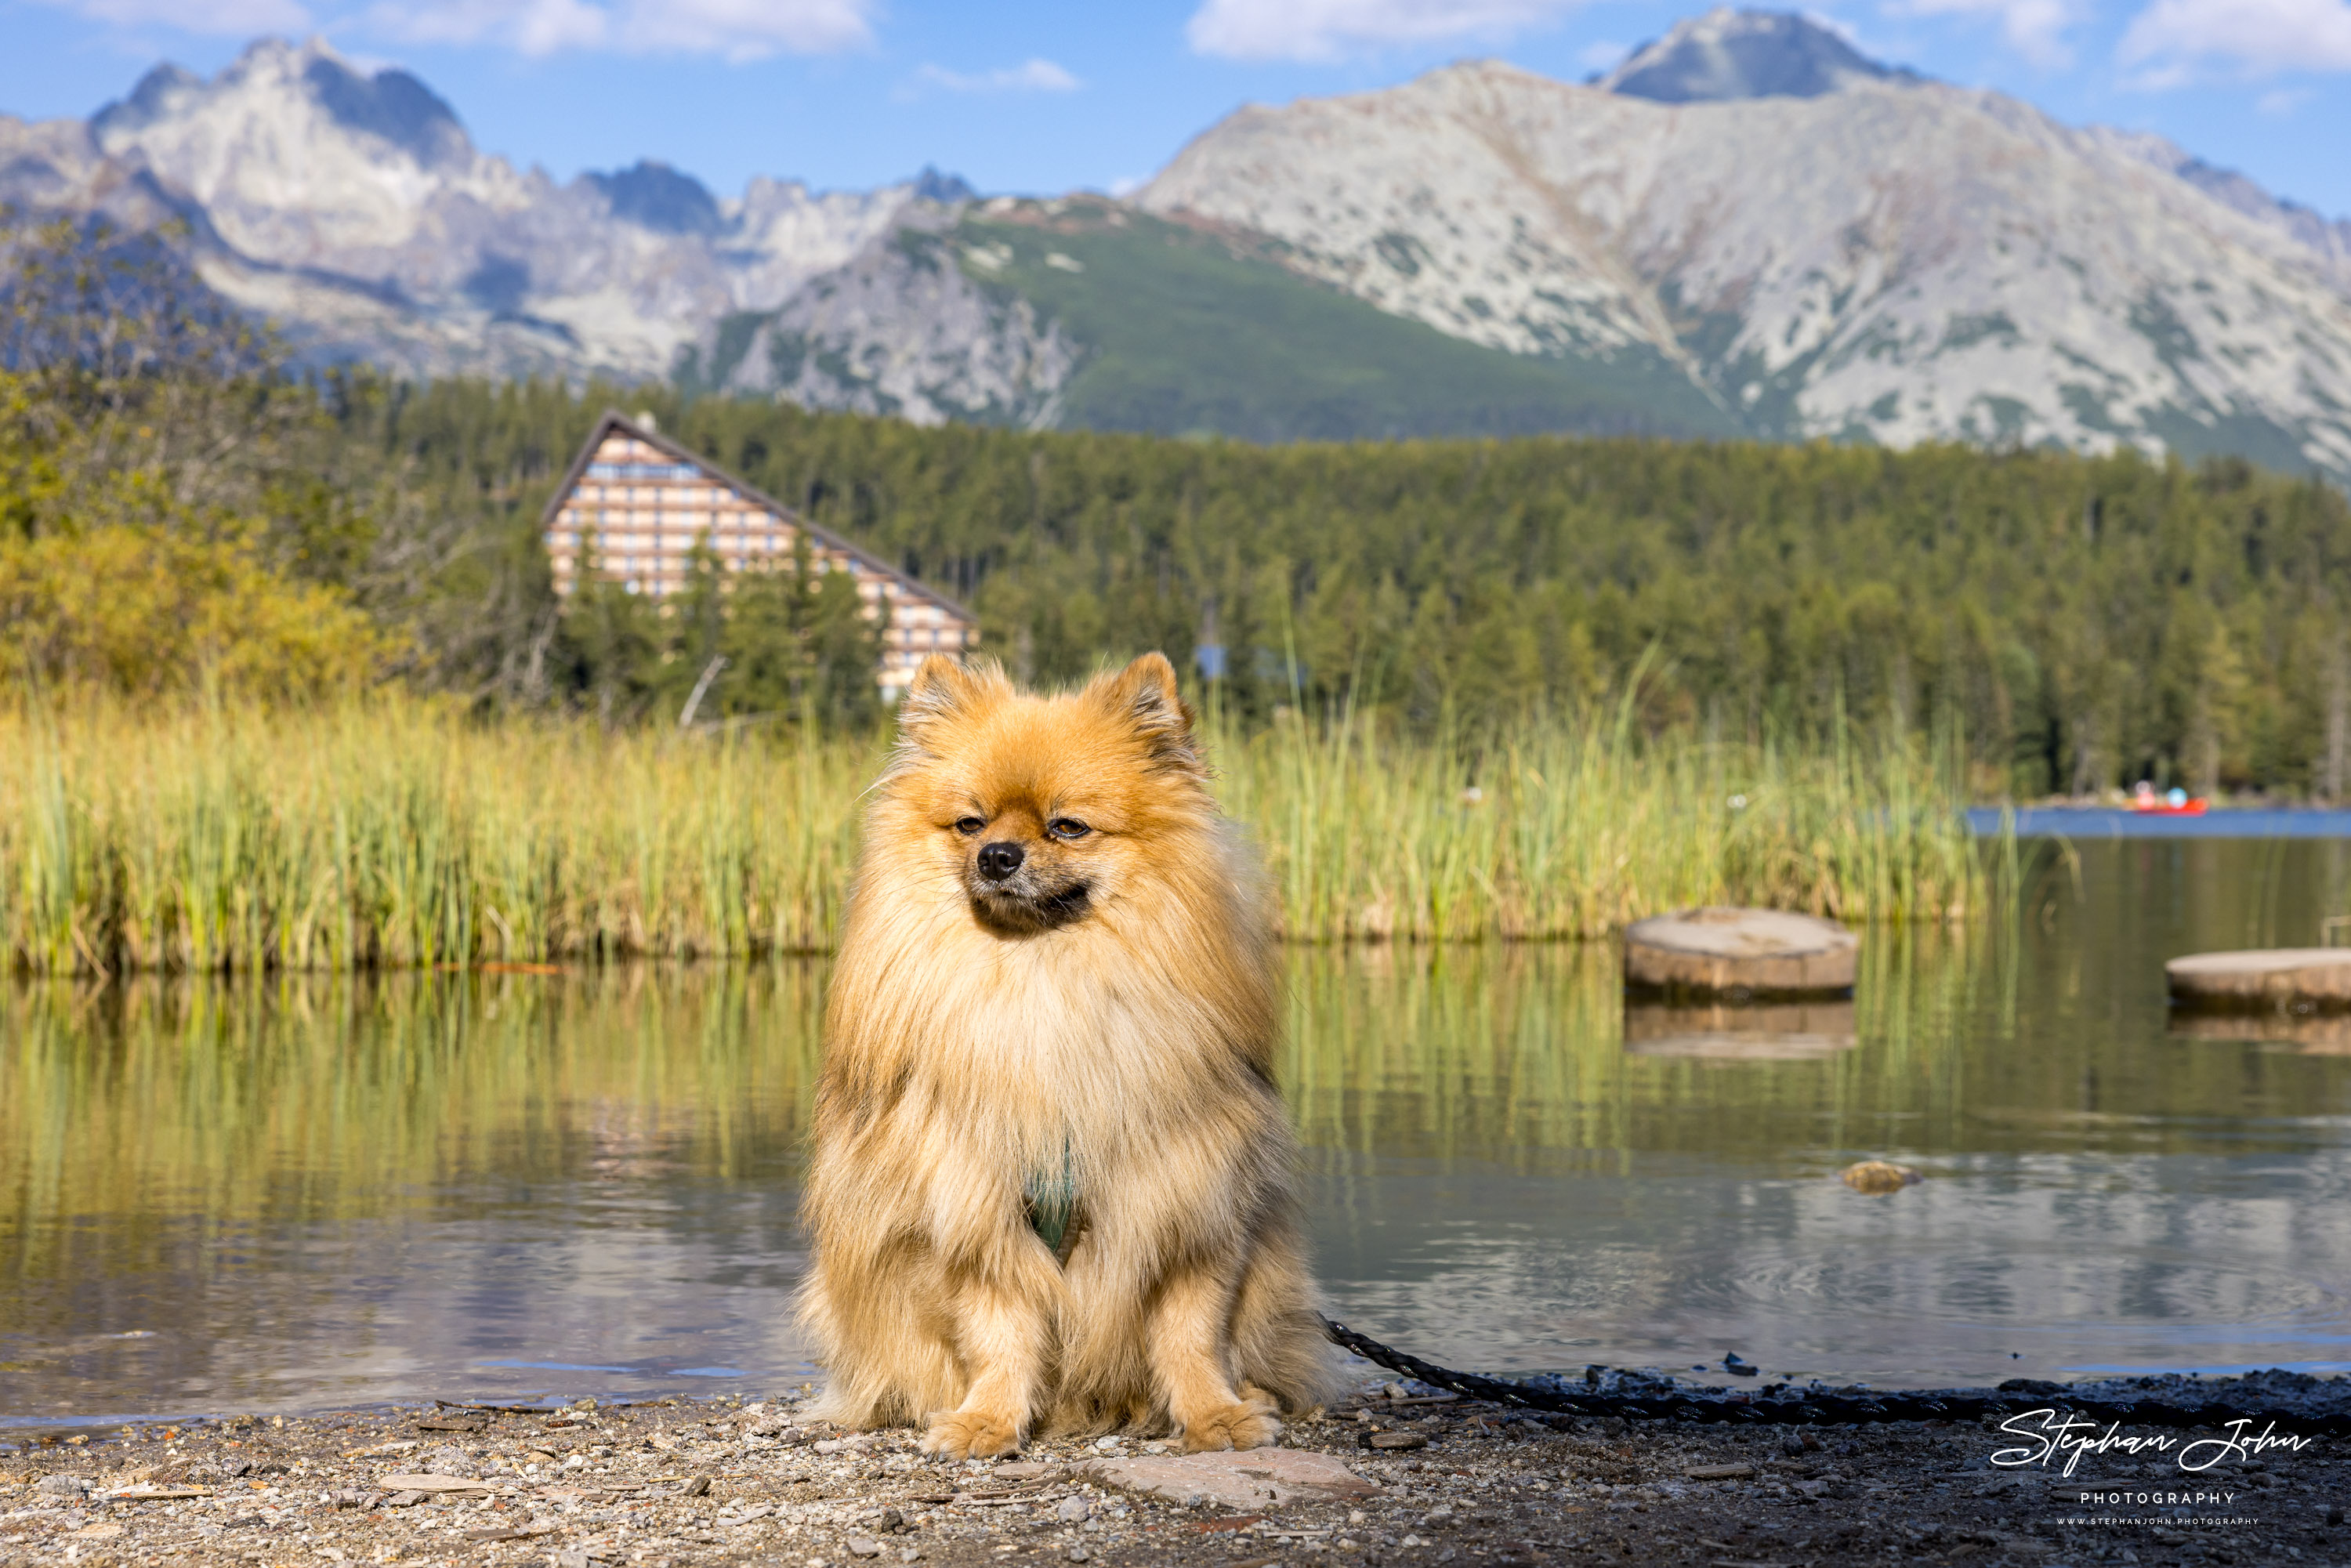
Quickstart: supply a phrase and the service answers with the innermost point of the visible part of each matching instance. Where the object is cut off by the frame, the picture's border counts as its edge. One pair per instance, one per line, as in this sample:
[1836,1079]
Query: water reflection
[310,1193]
[306,1194]
[2315,1034]
[1796,1031]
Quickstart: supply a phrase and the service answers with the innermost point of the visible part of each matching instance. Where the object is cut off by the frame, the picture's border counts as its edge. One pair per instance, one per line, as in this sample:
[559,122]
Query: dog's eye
[1066,828]
[968,826]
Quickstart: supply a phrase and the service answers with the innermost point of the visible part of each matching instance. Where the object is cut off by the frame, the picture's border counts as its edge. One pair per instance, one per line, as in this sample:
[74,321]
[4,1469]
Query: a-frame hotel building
[634,504]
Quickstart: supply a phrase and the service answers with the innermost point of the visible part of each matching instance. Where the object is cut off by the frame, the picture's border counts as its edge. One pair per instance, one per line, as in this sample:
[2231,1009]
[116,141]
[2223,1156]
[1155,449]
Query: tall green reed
[398,834]
[1572,829]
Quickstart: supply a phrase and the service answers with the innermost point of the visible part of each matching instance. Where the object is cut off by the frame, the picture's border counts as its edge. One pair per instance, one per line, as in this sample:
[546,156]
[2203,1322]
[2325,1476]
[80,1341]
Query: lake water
[2087,824]
[306,1194]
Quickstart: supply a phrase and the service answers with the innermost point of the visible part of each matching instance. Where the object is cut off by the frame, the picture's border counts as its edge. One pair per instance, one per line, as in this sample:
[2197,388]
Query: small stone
[454,1421]
[1072,1509]
[62,1486]
[909,1553]
[1397,1440]
[890,1521]
[425,1482]
[449,1462]
[1356,1516]
[864,1546]
[830,1445]
[1720,1472]
[1025,1471]
[1077,1554]
[1109,1445]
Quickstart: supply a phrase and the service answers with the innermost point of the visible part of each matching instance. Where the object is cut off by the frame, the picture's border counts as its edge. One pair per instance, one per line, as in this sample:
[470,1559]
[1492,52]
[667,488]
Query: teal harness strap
[1052,1203]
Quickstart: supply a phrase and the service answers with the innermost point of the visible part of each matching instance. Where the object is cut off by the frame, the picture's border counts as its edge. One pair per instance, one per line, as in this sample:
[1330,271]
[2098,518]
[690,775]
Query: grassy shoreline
[395,833]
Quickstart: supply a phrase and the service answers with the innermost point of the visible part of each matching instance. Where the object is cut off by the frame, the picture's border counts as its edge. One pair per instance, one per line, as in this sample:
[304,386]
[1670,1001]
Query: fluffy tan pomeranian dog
[1051,1187]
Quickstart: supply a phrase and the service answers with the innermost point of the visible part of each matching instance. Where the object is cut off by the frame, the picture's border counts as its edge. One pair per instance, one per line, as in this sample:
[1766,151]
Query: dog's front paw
[971,1434]
[1244,1424]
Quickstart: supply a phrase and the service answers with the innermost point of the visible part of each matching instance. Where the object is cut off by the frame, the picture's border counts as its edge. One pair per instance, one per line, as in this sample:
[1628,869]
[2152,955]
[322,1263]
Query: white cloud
[2281,102]
[2034,28]
[234,18]
[2171,39]
[1028,75]
[737,29]
[1326,29]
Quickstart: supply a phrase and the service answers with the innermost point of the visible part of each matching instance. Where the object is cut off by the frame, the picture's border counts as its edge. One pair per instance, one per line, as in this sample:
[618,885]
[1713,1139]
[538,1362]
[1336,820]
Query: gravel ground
[691,1482]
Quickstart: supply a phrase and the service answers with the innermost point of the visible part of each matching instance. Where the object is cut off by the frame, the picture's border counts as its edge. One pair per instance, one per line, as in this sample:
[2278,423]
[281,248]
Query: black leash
[1780,1405]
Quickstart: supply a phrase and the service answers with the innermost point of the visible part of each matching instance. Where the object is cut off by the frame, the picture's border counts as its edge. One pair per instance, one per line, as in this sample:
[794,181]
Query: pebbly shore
[1394,1474]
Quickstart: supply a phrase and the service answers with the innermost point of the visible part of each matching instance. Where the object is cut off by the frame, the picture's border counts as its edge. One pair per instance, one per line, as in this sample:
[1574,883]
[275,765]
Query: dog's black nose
[999,860]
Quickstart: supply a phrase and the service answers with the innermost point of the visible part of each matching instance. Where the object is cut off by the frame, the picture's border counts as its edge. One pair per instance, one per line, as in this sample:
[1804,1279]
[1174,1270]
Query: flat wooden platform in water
[2316,979]
[1724,951]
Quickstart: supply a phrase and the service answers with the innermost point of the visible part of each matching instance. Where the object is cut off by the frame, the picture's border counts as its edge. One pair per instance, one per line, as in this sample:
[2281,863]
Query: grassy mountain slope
[1185,333]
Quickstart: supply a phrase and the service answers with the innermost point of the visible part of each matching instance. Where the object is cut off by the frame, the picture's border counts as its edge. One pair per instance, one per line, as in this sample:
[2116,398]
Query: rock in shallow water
[1875,1176]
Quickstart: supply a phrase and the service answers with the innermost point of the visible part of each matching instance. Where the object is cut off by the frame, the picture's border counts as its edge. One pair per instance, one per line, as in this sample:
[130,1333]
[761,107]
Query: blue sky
[1054,95]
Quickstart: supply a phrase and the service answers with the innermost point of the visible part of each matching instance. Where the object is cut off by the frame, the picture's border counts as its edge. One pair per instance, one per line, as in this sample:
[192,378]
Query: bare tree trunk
[2203,759]
[2085,754]
[2338,725]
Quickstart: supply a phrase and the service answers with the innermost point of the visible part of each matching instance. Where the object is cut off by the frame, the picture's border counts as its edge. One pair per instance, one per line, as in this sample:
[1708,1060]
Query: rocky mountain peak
[1729,54]
[933,185]
[390,104]
[155,95]
[277,85]
[652,195]
[1832,248]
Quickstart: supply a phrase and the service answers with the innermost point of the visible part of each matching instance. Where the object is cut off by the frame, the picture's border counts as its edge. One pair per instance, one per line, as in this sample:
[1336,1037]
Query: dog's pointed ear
[941,691]
[1144,696]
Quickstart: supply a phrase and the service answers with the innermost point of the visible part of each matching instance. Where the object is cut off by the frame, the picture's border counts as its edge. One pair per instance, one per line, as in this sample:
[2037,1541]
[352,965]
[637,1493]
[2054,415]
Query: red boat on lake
[2177,803]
